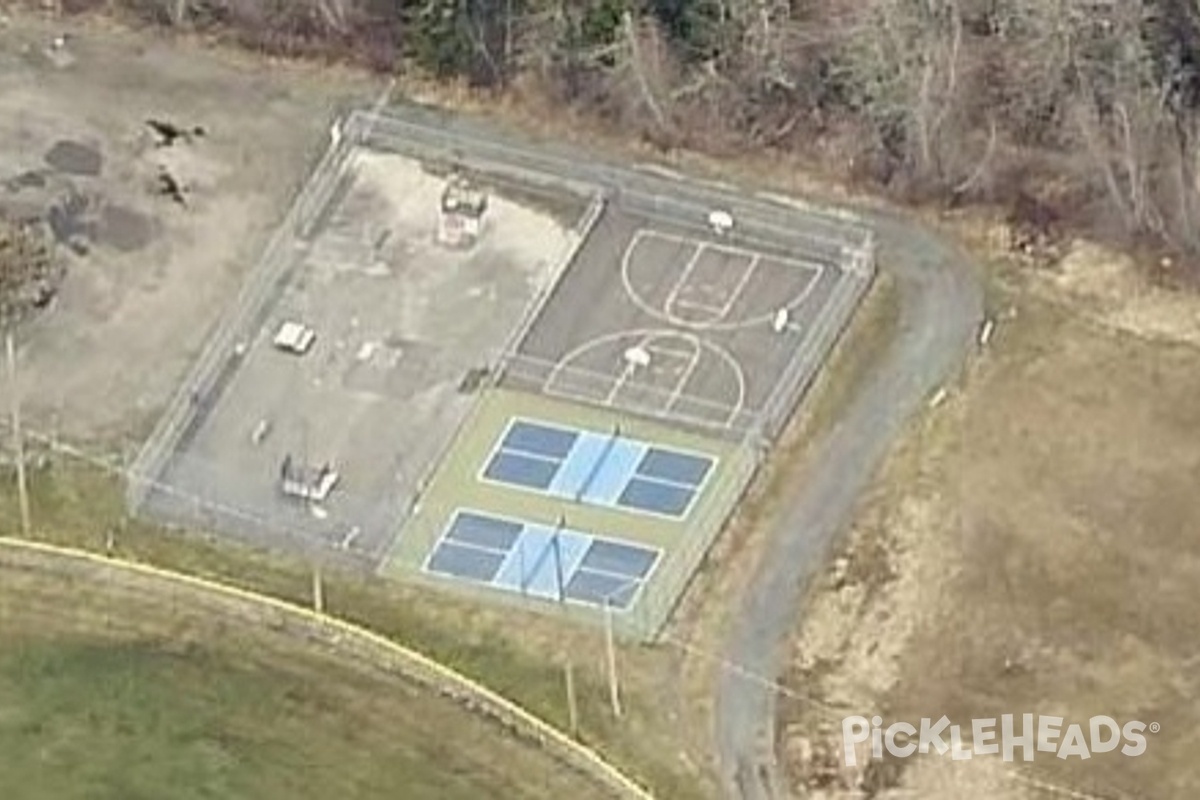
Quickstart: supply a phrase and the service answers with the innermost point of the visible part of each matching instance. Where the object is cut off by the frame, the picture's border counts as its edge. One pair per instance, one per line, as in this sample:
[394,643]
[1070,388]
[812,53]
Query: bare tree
[903,62]
[643,66]
[1120,110]
[28,281]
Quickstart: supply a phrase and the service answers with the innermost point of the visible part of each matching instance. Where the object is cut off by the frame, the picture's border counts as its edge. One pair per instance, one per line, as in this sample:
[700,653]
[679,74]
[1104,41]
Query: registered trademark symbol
[1155,727]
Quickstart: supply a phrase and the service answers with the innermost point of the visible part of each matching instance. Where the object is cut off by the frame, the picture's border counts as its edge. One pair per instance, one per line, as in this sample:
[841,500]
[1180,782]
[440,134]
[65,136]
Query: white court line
[732,298]
[693,360]
[732,249]
[682,280]
[618,384]
[647,343]
[683,381]
[698,306]
[668,352]
[649,334]
[815,269]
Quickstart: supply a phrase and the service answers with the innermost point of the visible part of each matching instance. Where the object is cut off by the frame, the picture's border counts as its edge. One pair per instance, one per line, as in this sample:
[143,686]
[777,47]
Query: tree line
[1066,112]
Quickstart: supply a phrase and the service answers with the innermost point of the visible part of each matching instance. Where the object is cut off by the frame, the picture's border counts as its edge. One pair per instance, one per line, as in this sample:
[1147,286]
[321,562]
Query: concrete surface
[400,321]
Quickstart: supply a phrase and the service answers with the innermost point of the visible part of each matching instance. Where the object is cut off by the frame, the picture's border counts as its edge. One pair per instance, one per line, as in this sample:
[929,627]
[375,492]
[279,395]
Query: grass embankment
[111,693]
[79,505]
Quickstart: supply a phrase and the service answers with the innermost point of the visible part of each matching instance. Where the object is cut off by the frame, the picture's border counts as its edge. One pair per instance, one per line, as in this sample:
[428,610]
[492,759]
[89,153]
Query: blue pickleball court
[549,562]
[601,469]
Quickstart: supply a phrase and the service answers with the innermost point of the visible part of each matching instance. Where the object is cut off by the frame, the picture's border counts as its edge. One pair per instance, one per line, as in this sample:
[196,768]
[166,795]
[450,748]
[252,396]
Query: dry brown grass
[1030,548]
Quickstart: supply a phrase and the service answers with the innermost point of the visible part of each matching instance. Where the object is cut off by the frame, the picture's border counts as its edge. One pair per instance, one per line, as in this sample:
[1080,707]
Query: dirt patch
[146,276]
[125,229]
[1029,549]
[75,158]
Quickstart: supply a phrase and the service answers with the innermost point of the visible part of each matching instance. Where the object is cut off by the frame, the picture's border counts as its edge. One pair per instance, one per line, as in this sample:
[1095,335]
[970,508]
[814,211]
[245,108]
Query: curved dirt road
[941,305]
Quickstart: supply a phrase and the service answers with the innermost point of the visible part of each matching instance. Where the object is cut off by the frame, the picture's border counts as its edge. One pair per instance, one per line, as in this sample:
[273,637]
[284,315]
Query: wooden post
[318,590]
[572,708]
[18,442]
[614,690]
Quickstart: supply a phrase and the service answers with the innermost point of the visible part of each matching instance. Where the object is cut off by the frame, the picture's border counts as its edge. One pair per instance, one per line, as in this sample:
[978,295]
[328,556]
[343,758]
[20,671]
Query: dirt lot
[1031,548]
[136,307]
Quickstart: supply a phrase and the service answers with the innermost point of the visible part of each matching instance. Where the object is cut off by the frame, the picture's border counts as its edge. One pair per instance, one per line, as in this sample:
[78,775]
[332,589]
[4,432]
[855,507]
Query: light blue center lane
[534,566]
[606,470]
[619,466]
[581,461]
[556,564]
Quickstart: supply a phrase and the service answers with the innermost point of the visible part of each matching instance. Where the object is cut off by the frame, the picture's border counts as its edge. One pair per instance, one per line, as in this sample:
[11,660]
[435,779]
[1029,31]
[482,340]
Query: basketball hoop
[720,221]
[637,356]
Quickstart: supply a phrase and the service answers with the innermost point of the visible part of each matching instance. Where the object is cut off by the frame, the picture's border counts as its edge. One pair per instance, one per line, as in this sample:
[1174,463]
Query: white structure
[986,331]
[720,221]
[295,338]
[460,216]
[782,317]
[305,482]
[261,431]
[637,356]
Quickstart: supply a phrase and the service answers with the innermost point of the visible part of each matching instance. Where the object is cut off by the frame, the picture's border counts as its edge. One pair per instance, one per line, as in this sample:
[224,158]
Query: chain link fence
[763,224]
[222,353]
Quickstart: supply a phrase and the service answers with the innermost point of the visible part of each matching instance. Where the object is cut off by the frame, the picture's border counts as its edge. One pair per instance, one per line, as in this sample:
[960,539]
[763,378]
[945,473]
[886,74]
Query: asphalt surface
[596,313]
[941,306]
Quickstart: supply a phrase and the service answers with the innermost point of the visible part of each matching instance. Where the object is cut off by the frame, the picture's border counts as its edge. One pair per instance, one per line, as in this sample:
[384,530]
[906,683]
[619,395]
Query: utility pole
[29,276]
[568,663]
[17,441]
[614,690]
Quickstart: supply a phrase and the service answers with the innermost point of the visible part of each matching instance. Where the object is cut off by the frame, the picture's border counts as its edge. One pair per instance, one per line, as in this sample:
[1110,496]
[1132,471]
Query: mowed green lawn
[126,714]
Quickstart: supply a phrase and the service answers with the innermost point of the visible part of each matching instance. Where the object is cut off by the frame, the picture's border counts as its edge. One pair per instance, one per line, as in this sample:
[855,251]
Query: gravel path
[941,305]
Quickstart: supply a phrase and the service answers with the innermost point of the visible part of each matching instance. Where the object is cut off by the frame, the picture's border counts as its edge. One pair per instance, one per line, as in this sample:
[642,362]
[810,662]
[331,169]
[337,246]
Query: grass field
[107,693]
[518,654]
